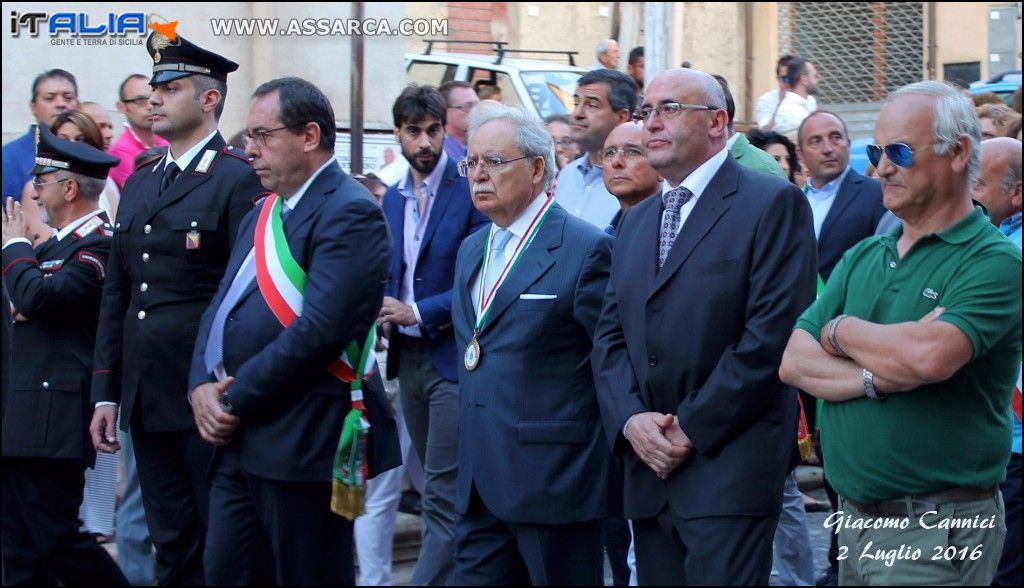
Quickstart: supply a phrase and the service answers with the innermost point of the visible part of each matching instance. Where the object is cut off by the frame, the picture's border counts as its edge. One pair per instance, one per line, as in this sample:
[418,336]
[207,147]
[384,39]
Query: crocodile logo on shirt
[929,293]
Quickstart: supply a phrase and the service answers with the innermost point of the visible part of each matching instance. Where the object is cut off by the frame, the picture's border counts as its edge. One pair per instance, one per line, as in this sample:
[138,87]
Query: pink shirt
[127,147]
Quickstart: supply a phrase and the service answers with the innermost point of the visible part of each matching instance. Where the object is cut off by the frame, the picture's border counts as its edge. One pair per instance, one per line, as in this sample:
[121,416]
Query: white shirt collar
[186,158]
[699,178]
[522,223]
[73,226]
[293,201]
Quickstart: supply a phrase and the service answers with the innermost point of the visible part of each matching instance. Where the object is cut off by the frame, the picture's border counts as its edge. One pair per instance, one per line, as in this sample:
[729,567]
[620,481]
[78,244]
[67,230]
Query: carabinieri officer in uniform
[172,238]
[55,294]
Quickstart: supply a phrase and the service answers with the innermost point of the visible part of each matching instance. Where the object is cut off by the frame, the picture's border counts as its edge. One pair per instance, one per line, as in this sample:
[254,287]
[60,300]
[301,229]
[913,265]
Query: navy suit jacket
[854,215]
[529,423]
[291,407]
[452,218]
[703,338]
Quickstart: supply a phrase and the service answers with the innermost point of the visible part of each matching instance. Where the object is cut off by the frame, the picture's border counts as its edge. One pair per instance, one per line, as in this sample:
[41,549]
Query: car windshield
[551,91]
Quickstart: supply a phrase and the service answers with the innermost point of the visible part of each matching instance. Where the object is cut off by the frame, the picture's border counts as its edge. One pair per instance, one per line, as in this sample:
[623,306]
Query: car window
[425,73]
[551,91]
[500,79]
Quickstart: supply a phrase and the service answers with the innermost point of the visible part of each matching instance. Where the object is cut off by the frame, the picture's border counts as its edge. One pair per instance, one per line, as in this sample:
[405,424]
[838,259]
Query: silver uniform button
[892,264]
[143,287]
[117,226]
[147,229]
[142,314]
[194,224]
[145,257]
[46,385]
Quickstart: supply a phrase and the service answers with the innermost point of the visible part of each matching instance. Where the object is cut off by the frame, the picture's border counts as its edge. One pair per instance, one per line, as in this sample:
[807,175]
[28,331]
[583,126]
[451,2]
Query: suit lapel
[311,201]
[470,267]
[440,205]
[710,206]
[847,194]
[533,263]
[187,181]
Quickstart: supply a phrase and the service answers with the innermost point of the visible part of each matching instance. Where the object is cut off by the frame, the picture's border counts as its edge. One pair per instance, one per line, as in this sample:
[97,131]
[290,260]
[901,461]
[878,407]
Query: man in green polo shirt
[914,345]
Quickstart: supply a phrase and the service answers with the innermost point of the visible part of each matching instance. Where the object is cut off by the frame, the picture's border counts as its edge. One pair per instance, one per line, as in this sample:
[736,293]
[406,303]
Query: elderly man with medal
[528,291]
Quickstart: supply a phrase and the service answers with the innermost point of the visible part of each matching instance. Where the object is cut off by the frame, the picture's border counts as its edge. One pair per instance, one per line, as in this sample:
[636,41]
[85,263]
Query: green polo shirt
[953,433]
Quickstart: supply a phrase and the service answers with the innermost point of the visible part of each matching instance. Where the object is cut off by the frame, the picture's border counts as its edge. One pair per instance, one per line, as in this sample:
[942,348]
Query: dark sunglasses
[900,154]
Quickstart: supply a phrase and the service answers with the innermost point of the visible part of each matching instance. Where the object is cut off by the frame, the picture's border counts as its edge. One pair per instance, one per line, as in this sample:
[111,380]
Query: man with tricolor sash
[532,485]
[284,356]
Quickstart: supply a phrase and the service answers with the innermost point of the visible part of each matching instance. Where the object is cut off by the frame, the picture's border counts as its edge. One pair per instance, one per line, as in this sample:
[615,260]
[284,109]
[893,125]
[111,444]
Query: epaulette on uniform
[236,153]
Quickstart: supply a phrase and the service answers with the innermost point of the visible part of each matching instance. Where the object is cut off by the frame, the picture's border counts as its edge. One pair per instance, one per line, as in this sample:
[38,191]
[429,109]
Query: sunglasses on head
[900,154]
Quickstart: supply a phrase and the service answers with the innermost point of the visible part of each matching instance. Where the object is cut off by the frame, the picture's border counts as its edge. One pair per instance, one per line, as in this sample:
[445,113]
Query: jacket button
[147,229]
[46,385]
[194,224]
[143,287]
[652,361]
[145,257]
[142,314]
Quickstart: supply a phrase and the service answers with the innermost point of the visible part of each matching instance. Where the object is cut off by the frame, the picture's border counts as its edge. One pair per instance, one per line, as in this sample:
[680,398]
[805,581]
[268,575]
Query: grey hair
[1013,173]
[89,188]
[955,117]
[531,134]
[603,47]
[714,95]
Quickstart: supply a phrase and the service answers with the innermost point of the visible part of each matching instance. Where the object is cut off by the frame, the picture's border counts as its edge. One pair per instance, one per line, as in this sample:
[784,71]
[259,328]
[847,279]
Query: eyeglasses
[138,100]
[627,151]
[36,183]
[669,110]
[564,141]
[259,136]
[490,163]
[900,154]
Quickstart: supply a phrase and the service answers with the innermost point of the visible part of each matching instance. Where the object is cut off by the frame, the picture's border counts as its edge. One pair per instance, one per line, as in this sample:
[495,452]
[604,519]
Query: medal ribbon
[531,233]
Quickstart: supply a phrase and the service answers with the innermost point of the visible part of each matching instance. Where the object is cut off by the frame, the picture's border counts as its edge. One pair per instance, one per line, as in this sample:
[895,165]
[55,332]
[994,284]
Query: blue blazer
[530,437]
[453,218]
[854,215]
[291,408]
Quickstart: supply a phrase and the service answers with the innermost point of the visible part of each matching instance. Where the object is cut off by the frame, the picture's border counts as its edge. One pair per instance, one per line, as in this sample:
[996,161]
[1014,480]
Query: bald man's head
[999,183]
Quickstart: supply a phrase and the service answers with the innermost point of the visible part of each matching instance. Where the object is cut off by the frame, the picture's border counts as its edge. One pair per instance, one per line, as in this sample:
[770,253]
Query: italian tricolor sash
[282,282]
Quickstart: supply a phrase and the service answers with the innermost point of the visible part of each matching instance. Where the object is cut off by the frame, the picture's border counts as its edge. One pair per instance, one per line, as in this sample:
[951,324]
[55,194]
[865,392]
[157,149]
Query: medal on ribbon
[474,352]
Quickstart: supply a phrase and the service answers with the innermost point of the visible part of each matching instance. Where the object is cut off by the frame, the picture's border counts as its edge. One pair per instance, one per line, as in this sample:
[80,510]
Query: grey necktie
[214,354]
[496,259]
[674,201]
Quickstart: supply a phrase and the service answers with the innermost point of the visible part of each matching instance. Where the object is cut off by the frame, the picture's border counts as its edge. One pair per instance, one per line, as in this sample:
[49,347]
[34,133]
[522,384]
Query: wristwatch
[869,386]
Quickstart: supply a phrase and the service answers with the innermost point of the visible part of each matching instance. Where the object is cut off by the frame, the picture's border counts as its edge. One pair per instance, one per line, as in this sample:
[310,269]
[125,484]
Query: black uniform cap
[181,58]
[54,154]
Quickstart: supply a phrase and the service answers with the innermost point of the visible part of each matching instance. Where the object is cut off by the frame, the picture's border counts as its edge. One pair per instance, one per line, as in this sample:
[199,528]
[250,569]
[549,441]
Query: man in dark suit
[532,486]
[706,282]
[429,213]
[55,291]
[846,206]
[172,238]
[264,380]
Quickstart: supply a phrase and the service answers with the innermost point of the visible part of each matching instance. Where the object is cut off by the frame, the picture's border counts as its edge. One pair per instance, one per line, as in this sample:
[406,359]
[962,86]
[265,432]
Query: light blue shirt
[414,226]
[821,199]
[581,191]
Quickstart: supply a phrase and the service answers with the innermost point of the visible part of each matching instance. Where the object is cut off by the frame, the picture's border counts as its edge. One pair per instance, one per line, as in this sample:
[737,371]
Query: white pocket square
[538,296]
